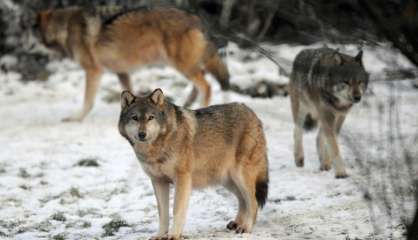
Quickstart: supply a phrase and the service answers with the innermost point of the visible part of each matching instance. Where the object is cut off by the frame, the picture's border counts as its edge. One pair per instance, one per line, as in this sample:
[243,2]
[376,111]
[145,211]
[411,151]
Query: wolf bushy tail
[216,66]
[262,187]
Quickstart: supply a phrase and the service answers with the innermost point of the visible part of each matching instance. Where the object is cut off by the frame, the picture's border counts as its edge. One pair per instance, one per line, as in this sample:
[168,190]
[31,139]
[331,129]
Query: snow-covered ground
[45,193]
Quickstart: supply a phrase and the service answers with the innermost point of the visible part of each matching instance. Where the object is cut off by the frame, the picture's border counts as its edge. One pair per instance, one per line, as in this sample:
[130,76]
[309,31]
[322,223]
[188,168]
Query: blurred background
[277,22]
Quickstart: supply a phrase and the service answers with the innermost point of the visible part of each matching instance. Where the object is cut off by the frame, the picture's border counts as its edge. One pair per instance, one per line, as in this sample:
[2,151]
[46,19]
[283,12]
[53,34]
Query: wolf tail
[262,187]
[214,65]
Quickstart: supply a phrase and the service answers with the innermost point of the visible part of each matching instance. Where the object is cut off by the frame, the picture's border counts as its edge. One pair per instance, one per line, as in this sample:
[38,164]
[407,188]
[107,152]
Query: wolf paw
[325,167]
[171,237]
[158,238]
[232,225]
[341,175]
[241,229]
[165,238]
[238,228]
[300,162]
[71,119]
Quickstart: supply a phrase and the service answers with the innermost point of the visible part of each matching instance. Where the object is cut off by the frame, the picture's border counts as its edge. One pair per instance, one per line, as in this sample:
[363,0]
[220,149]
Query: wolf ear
[157,97]
[126,98]
[359,56]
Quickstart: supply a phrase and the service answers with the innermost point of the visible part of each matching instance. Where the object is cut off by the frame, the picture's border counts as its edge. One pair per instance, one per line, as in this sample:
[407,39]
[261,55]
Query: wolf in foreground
[219,145]
[324,85]
[123,40]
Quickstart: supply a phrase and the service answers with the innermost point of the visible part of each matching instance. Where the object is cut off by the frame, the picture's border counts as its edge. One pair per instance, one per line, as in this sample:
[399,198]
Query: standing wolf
[324,85]
[221,144]
[123,40]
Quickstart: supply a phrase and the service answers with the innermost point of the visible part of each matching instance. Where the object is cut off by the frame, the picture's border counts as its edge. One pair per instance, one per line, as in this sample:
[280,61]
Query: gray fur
[320,68]
[321,72]
[323,86]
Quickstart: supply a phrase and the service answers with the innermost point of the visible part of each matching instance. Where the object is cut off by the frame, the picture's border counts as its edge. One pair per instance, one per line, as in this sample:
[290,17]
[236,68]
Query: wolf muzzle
[142,136]
[357,99]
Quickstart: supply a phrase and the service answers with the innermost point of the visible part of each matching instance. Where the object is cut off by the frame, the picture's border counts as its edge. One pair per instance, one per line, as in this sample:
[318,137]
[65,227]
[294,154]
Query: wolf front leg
[321,148]
[181,202]
[330,139]
[92,84]
[162,193]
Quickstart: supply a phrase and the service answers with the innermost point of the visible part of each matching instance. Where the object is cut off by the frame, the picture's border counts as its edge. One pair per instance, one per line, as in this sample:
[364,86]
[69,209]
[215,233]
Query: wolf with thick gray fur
[218,145]
[323,87]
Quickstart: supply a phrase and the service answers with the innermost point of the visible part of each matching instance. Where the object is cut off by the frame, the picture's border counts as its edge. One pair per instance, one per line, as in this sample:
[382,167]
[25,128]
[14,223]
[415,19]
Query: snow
[40,178]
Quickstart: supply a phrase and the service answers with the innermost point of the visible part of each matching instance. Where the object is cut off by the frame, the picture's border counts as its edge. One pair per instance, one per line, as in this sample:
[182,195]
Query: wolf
[323,87]
[123,40]
[218,145]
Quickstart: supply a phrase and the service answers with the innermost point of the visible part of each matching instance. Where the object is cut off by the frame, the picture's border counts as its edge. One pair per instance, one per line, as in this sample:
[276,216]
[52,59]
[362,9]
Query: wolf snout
[357,99]
[142,136]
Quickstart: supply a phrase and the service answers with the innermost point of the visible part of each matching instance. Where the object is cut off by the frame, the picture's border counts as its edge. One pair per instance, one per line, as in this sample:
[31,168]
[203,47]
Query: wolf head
[143,119]
[344,80]
[55,27]
[51,27]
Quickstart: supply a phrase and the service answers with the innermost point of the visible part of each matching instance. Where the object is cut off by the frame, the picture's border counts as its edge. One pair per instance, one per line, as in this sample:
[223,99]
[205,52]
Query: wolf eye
[134,117]
[341,86]
[150,117]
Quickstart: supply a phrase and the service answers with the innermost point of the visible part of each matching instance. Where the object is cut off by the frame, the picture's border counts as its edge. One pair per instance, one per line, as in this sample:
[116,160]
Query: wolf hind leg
[192,97]
[250,175]
[92,85]
[299,115]
[232,187]
[298,146]
[297,136]
[303,122]
[200,85]
[245,183]
[203,87]
[189,60]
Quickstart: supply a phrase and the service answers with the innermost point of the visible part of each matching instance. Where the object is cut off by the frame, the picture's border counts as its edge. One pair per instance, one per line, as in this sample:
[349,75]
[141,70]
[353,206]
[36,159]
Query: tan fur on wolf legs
[192,97]
[339,123]
[203,87]
[250,180]
[334,152]
[298,145]
[232,225]
[250,202]
[339,164]
[162,193]
[92,85]
[321,148]
[181,201]
[297,131]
